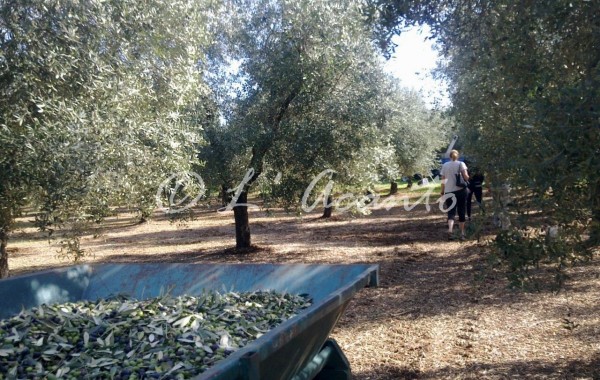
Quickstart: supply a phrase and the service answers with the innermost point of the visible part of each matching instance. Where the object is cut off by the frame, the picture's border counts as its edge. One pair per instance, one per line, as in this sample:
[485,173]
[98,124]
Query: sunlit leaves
[100,101]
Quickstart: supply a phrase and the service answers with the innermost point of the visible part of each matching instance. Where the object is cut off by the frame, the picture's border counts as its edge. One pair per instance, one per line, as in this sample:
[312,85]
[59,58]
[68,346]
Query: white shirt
[449,169]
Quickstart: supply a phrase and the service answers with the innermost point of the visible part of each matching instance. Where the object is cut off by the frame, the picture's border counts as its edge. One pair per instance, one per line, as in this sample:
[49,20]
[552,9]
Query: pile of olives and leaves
[122,338]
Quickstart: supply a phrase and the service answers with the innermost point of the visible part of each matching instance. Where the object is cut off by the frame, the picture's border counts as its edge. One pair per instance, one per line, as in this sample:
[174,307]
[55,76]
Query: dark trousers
[478,191]
[460,205]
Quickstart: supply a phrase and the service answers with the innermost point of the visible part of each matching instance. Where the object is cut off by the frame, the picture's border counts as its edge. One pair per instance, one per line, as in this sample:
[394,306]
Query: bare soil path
[440,312]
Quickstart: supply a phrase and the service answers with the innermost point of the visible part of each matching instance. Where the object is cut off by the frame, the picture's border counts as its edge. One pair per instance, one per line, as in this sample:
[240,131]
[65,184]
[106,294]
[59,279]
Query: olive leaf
[166,337]
[6,352]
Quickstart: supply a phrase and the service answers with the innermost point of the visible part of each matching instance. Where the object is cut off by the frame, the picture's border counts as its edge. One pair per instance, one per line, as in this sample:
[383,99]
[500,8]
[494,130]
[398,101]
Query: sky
[412,63]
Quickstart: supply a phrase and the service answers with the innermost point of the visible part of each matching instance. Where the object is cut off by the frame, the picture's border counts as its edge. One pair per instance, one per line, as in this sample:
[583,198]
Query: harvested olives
[164,337]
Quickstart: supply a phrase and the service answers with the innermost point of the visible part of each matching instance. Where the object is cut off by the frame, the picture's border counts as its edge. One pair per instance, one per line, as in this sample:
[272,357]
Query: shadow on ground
[567,370]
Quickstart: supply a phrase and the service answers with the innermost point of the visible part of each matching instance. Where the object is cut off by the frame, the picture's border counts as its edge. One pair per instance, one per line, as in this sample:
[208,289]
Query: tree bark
[595,227]
[259,151]
[242,225]
[328,207]
[3,254]
[225,197]
[393,187]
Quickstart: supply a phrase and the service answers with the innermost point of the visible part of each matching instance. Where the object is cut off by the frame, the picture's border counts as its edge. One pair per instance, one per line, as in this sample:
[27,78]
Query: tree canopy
[310,90]
[100,101]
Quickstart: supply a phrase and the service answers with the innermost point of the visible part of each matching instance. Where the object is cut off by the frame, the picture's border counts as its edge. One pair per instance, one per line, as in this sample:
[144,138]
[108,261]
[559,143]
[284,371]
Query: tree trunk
[328,207]
[259,151]
[393,188]
[242,225]
[595,227]
[3,254]
[225,197]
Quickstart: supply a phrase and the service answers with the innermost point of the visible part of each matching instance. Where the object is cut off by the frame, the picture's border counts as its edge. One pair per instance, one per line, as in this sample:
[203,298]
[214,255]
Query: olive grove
[108,104]
[308,95]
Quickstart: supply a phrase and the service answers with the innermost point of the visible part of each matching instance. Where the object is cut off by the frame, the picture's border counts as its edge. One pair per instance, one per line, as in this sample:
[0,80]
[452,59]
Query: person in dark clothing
[475,188]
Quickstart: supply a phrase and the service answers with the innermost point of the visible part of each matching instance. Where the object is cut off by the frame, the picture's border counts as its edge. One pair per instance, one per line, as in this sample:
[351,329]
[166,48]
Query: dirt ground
[439,313]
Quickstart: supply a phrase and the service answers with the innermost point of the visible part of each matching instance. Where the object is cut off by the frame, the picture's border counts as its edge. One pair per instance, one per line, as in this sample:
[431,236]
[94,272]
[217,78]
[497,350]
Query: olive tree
[100,102]
[414,131]
[341,134]
[529,99]
[296,59]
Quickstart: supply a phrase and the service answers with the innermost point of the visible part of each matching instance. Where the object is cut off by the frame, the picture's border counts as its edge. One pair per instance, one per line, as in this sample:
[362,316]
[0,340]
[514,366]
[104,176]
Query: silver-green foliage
[303,97]
[525,80]
[311,95]
[100,101]
[526,89]
[413,130]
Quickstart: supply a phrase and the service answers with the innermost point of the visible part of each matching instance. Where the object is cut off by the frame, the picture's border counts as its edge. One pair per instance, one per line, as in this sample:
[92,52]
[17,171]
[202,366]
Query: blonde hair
[454,154]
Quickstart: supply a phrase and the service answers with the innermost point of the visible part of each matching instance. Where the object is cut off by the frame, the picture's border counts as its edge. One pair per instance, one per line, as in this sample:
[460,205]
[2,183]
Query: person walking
[456,195]
[475,188]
